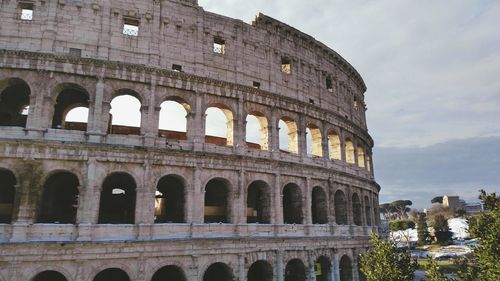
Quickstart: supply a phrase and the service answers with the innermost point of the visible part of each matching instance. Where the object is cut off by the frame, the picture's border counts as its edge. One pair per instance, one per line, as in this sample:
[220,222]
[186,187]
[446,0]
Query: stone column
[96,127]
[348,194]
[274,143]
[355,271]
[88,209]
[342,146]
[144,207]
[197,206]
[279,272]
[34,119]
[311,267]
[239,203]
[278,199]
[239,127]
[192,271]
[196,123]
[307,199]
[241,268]
[335,267]
[302,138]
[149,118]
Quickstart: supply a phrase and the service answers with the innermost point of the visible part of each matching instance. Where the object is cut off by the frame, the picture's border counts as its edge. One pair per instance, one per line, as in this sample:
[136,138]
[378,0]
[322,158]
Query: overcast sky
[432,68]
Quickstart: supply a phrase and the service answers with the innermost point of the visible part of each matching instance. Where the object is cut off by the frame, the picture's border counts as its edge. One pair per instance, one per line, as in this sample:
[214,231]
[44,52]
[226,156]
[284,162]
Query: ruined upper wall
[180,32]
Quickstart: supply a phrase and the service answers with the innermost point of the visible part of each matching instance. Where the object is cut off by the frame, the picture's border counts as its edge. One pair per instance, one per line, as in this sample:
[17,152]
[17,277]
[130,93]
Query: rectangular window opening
[131,27]
[329,84]
[75,52]
[177,67]
[219,45]
[311,101]
[286,66]
[256,85]
[26,11]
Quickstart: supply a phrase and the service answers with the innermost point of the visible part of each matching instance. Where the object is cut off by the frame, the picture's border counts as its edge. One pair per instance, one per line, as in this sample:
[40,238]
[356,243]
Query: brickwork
[76,53]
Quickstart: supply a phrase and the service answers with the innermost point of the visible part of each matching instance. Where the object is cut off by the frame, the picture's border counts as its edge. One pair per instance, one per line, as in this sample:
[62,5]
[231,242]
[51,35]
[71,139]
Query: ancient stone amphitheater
[292,198]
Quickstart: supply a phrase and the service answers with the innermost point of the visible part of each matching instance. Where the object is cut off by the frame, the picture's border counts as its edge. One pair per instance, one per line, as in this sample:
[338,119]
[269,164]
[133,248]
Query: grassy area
[446,267]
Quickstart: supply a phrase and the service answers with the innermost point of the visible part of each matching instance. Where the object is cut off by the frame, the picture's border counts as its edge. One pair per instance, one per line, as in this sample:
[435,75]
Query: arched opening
[49,275]
[361,157]
[288,135]
[218,272]
[260,271]
[319,206]
[7,195]
[350,154]
[368,162]
[313,141]
[216,201]
[258,203]
[295,271]
[345,268]
[323,268]
[257,131]
[60,199]
[368,211]
[169,273]
[169,200]
[215,130]
[334,146]
[356,209]
[14,102]
[340,207]
[172,121]
[125,113]
[71,98]
[117,204]
[112,274]
[292,204]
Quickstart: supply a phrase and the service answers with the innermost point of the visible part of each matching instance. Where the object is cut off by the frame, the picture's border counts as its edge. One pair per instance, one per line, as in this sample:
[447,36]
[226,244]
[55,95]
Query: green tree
[437,199]
[395,210]
[403,226]
[484,265]
[385,262]
[422,228]
[432,272]
[441,229]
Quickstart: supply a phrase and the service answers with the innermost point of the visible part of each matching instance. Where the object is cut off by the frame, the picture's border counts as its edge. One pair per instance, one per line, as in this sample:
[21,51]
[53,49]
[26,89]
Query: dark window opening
[218,272]
[25,11]
[319,206]
[256,84]
[260,271]
[292,204]
[322,268]
[112,274]
[131,27]
[345,268]
[177,67]
[258,203]
[75,52]
[7,195]
[70,98]
[356,209]
[311,101]
[340,208]
[49,275]
[286,65]
[295,271]
[355,103]
[170,273]
[117,205]
[169,200]
[219,45]
[329,84]
[14,102]
[60,199]
[216,202]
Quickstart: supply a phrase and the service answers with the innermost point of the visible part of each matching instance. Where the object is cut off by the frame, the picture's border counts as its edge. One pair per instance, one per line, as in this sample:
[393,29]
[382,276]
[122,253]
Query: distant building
[453,202]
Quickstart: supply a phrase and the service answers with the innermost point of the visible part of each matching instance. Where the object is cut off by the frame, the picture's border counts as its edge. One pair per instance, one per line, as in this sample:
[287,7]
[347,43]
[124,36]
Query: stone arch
[345,268]
[288,131]
[217,201]
[14,102]
[169,273]
[212,133]
[117,201]
[368,157]
[319,206]
[292,204]
[314,142]
[172,121]
[218,272]
[334,146]
[259,202]
[340,204]
[295,270]
[356,209]
[257,130]
[125,112]
[68,97]
[8,183]
[260,270]
[361,156]
[114,274]
[49,275]
[350,154]
[368,211]
[323,267]
[60,273]
[59,202]
[170,200]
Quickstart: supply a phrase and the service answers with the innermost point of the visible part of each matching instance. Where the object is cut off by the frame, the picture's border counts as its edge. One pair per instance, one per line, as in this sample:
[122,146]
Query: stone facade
[86,201]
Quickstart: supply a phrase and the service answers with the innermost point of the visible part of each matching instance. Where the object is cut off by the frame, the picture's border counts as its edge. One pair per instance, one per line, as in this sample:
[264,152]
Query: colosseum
[286,192]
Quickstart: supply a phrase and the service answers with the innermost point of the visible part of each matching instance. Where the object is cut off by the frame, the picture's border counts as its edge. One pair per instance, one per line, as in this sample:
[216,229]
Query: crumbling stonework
[83,201]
